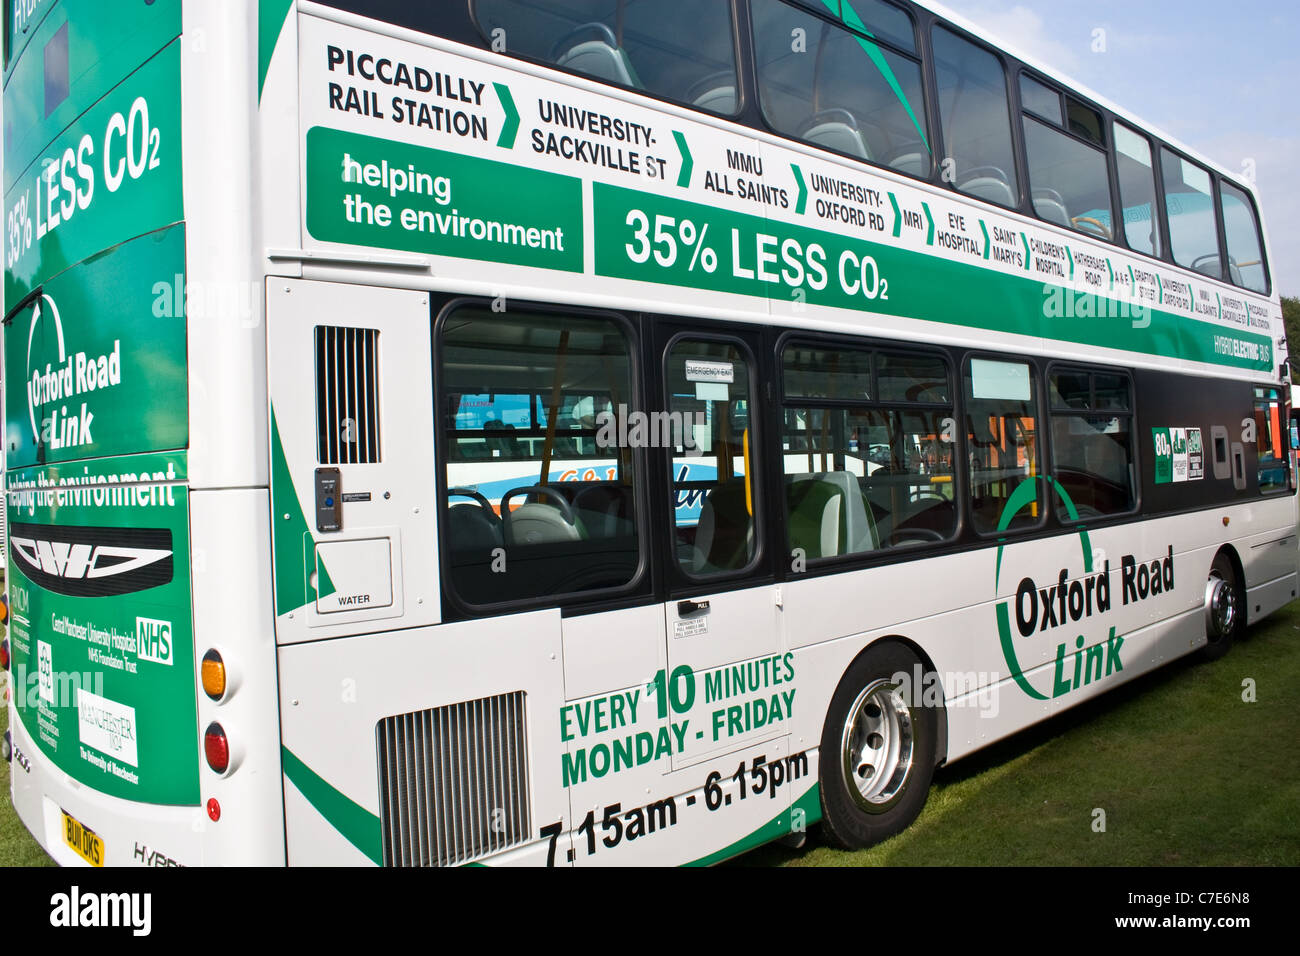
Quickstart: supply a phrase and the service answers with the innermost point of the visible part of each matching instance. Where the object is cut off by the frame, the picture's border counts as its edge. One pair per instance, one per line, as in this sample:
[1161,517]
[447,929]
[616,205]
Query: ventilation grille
[453,782]
[347,389]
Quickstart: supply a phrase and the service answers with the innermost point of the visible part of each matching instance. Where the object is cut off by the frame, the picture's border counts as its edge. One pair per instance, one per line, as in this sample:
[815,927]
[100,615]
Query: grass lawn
[1187,772]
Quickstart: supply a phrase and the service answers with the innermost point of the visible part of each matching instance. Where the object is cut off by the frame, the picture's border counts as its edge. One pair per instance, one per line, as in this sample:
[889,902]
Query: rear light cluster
[4,654]
[216,745]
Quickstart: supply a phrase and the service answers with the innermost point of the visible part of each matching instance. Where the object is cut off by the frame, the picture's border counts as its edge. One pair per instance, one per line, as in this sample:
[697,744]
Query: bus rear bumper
[130,834]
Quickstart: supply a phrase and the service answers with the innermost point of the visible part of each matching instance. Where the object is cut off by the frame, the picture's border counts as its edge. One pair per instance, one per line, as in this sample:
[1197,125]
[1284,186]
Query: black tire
[1219,637]
[851,818]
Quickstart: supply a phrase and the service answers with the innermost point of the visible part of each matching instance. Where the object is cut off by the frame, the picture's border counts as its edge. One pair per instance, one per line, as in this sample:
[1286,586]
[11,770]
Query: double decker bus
[571,432]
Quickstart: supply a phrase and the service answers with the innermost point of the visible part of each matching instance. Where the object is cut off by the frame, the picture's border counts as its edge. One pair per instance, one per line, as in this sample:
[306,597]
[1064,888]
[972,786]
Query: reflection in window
[538,502]
[1189,202]
[976,118]
[1092,442]
[847,90]
[1068,180]
[678,49]
[1002,436]
[1269,438]
[861,475]
[714,498]
[1137,190]
[1245,252]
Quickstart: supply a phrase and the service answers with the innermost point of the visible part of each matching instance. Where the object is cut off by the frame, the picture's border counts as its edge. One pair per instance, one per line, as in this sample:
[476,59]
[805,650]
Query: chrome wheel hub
[1221,609]
[877,746]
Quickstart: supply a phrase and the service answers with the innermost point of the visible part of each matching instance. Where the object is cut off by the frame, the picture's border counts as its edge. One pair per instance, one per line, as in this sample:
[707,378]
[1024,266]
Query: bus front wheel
[877,749]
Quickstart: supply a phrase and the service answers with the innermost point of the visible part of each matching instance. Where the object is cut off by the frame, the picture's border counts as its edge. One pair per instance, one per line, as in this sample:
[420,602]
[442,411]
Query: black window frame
[682,582]
[1037,380]
[640,589]
[1135,446]
[921,57]
[1105,148]
[874,347]
[1259,235]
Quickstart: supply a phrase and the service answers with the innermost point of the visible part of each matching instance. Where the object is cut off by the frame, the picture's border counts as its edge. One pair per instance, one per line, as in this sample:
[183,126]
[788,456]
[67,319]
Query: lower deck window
[539,502]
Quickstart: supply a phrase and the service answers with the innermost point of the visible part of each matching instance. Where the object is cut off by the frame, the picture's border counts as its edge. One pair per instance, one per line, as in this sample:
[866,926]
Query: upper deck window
[682,50]
[1068,177]
[1245,251]
[842,88]
[1189,202]
[1137,190]
[976,119]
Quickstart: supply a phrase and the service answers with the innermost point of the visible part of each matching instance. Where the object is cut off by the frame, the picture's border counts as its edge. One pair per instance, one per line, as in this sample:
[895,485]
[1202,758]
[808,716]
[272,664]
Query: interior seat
[593,50]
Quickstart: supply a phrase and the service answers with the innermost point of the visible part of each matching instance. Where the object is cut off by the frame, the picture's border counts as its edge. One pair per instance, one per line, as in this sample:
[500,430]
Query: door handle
[686,608]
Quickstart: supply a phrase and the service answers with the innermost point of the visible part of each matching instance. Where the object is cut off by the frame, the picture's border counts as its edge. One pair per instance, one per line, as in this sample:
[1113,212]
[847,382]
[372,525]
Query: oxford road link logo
[56,385]
[1067,601]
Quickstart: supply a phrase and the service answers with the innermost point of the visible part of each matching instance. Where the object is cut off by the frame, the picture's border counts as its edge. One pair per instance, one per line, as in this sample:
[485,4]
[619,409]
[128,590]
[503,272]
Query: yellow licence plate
[87,845]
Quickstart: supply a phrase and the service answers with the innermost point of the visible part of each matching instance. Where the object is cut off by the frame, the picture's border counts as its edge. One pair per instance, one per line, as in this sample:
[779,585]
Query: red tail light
[216,748]
[4,654]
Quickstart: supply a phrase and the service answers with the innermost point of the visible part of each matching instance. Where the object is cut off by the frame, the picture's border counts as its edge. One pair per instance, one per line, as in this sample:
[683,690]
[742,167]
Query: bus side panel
[335,694]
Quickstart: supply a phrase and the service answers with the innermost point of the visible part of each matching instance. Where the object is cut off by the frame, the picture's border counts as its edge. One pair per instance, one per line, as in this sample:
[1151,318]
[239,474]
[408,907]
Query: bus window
[1269,441]
[539,502]
[976,119]
[1137,190]
[864,475]
[714,498]
[1068,179]
[1189,203]
[1245,252]
[844,89]
[1002,432]
[1092,442]
[682,50]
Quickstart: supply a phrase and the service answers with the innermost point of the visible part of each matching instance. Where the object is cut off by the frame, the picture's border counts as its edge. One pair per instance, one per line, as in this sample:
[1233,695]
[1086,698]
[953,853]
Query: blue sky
[1224,78]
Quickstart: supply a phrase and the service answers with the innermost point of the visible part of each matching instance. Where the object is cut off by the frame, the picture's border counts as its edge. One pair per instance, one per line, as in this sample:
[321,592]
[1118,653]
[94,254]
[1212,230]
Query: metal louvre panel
[347,403]
[453,782]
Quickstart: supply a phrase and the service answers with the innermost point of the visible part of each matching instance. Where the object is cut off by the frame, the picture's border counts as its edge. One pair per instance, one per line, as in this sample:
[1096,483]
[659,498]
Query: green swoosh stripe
[358,826]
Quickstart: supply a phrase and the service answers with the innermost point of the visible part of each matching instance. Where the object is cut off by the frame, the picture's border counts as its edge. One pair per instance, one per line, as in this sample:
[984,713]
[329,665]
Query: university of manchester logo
[92,562]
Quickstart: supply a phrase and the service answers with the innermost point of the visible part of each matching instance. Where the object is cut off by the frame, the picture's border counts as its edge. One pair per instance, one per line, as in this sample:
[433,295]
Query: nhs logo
[153,640]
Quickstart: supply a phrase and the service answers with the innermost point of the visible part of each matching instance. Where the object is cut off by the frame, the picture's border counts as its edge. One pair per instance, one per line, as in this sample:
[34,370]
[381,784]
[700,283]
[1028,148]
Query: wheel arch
[941,742]
[1230,552]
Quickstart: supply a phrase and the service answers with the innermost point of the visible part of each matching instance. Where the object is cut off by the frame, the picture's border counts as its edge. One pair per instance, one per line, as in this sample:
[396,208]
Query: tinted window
[714,495]
[679,49]
[976,119]
[839,88]
[541,497]
[1043,101]
[1092,443]
[864,476]
[1245,252]
[1137,190]
[1189,203]
[1002,435]
[1269,438]
[1068,180]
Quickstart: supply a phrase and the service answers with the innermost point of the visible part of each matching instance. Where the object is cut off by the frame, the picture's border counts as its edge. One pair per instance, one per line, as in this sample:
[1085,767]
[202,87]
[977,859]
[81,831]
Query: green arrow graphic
[929,236]
[988,246]
[898,216]
[688,164]
[1028,254]
[1070,256]
[510,128]
[802,203]
[1132,281]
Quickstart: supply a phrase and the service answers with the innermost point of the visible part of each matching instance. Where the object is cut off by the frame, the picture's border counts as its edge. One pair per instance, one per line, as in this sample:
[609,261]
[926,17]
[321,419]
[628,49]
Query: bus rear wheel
[1225,605]
[877,749]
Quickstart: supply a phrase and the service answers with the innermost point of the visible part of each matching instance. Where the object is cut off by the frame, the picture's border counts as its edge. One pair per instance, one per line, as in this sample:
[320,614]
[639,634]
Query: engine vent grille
[453,782]
[347,395]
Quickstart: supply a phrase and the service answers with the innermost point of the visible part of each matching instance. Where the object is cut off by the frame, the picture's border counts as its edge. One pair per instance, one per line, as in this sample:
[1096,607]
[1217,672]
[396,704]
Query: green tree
[1291,319]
